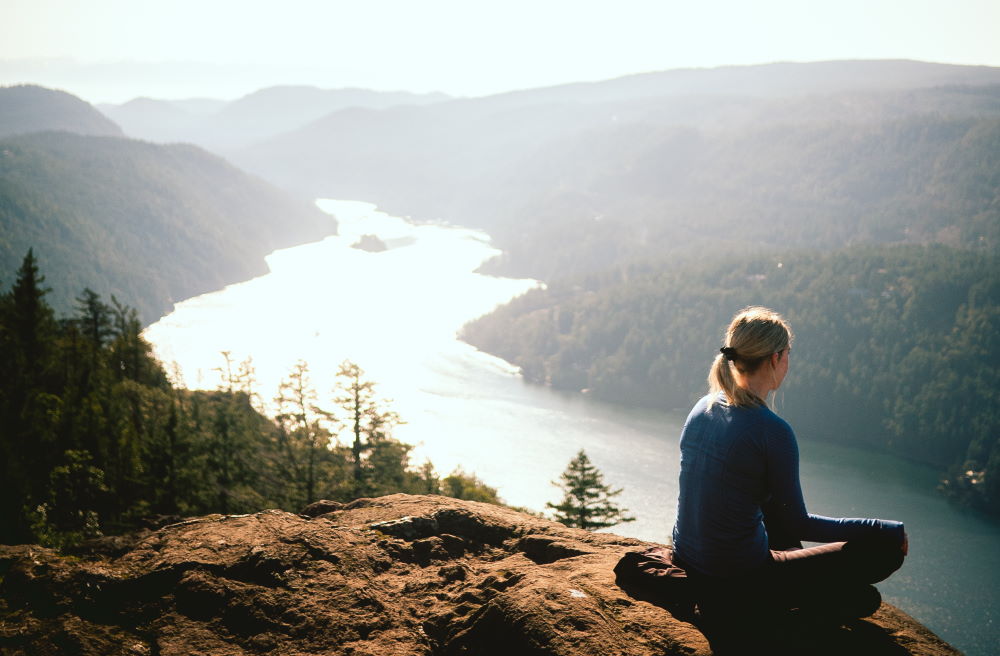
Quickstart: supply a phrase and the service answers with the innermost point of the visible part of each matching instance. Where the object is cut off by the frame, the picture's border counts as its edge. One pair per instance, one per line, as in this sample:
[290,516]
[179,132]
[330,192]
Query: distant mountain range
[812,154]
[223,126]
[151,224]
[760,81]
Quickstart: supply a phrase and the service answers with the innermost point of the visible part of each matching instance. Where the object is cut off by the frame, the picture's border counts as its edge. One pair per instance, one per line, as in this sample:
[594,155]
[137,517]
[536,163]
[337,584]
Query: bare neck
[760,382]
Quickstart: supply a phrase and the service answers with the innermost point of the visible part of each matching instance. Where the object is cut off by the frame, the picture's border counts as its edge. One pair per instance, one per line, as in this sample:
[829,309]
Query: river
[396,313]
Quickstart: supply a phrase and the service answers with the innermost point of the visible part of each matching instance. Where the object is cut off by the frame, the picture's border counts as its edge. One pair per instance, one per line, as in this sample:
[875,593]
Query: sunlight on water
[396,313]
[325,302]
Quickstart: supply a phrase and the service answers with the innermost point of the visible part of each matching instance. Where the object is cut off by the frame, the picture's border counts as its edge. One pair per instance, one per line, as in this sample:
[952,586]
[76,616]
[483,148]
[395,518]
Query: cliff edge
[389,576]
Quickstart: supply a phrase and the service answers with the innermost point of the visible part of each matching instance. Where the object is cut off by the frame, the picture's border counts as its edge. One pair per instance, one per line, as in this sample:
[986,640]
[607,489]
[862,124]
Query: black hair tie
[728,352]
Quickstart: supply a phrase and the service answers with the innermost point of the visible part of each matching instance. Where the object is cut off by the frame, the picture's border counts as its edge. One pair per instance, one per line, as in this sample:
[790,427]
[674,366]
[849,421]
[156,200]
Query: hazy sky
[113,50]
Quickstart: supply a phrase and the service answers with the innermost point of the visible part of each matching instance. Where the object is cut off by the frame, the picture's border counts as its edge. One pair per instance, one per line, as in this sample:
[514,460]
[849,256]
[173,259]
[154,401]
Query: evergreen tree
[461,485]
[86,386]
[427,479]
[586,500]
[131,355]
[94,318]
[69,513]
[235,443]
[304,442]
[31,320]
[371,425]
[29,412]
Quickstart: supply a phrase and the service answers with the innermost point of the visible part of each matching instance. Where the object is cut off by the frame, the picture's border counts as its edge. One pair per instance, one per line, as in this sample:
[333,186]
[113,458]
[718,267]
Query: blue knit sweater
[732,461]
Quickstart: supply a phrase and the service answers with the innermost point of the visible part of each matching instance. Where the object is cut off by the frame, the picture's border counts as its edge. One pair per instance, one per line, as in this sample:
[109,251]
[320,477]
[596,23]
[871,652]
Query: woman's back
[739,477]
[728,455]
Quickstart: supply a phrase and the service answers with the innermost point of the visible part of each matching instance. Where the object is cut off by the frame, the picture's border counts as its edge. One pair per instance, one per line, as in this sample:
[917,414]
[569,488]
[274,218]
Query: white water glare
[396,314]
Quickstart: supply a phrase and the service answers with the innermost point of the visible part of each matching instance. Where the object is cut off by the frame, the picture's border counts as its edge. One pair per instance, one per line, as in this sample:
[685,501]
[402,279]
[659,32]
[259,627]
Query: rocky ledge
[394,575]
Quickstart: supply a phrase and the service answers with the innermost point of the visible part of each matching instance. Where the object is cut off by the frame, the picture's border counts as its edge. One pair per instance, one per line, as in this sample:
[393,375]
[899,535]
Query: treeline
[94,437]
[897,348]
[644,191]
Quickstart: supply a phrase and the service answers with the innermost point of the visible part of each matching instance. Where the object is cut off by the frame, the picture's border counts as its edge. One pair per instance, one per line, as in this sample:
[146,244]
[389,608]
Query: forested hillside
[28,108]
[95,439]
[896,348]
[148,224]
[643,191]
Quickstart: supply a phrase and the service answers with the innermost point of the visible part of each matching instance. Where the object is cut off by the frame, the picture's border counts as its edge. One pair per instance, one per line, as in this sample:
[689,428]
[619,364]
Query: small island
[370,243]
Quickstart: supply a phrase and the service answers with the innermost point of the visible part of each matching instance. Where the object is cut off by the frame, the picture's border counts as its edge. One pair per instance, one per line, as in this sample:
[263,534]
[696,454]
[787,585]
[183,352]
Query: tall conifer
[586,500]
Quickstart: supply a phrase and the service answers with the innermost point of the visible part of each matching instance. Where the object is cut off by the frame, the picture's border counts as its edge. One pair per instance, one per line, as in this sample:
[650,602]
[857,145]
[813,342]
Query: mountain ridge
[31,108]
[151,224]
[250,118]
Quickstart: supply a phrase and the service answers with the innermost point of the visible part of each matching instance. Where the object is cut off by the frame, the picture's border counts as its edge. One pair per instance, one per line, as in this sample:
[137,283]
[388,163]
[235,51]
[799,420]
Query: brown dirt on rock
[397,575]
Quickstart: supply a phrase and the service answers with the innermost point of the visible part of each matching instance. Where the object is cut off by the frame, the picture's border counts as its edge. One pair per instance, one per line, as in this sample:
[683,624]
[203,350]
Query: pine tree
[304,441]
[131,356]
[461,485]
[370,424]
[31,322]
[586,500]
[29,411]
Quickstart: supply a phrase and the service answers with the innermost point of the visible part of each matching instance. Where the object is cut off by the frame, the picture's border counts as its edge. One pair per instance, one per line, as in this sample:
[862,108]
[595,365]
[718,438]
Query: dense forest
[896,348]
[95,438]
[151,224]
[641,192]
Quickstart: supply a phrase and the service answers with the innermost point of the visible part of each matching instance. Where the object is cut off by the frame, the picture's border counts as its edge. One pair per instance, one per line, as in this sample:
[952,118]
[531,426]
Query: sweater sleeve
[786,498]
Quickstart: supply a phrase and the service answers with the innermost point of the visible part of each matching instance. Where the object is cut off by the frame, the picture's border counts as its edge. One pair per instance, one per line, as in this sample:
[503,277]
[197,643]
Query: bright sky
[114,50]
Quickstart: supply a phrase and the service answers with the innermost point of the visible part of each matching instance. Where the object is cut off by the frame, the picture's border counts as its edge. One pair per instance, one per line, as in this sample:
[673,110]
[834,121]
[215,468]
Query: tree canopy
[896,348]
[149,224]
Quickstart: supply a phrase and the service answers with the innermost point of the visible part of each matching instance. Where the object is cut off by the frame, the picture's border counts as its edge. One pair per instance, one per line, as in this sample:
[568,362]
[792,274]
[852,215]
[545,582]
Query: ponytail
[753,335]
[721,379]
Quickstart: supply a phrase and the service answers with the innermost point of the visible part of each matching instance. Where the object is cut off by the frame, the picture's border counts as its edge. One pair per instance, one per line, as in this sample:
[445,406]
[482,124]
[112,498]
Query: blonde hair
[753,335]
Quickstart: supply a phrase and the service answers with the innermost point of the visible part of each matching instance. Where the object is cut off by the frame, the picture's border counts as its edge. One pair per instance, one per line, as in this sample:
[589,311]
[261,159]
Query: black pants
[833,580]
[798,593]
[827,584]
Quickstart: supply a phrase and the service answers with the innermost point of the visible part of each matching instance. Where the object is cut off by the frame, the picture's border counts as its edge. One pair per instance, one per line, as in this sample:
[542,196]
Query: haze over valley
[871,184]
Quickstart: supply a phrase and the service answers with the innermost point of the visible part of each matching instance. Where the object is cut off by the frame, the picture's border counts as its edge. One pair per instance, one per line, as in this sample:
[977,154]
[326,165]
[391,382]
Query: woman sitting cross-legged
[740,513]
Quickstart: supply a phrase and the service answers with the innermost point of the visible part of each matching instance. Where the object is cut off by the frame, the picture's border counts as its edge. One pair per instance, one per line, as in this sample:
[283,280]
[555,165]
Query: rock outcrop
[394,575]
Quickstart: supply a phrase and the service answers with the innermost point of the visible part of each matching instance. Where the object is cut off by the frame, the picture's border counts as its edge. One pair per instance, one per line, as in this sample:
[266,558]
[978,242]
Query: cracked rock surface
[394,575]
